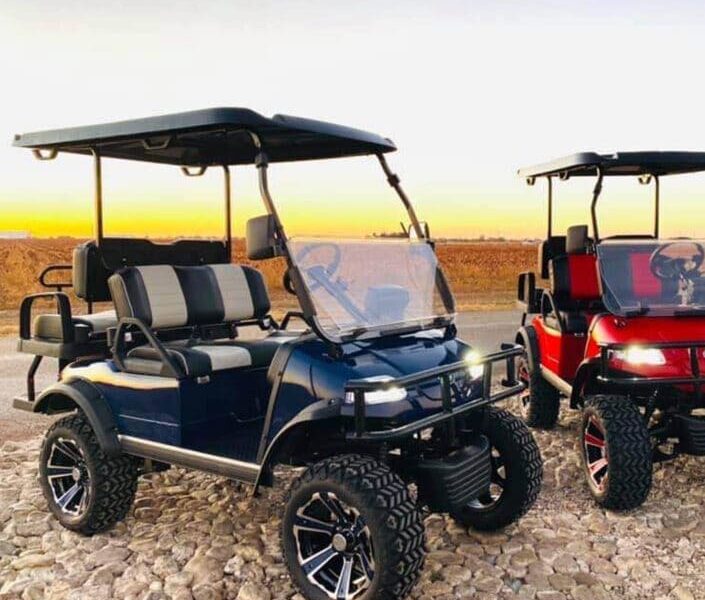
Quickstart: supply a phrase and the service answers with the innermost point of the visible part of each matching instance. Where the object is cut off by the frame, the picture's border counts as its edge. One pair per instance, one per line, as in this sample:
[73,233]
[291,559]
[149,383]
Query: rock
[204,569]
[682,593]
[108,554]
[33,561]
[250,591]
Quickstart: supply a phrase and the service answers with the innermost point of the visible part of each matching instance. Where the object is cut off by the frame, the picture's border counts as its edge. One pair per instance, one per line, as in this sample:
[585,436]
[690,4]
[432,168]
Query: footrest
[22,403]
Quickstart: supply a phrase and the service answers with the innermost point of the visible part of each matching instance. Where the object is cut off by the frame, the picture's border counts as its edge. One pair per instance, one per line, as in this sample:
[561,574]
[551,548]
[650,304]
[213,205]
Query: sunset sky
[469,92]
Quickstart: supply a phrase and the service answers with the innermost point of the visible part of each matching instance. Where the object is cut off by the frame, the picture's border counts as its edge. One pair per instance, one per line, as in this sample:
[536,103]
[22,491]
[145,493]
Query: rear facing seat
[164,297]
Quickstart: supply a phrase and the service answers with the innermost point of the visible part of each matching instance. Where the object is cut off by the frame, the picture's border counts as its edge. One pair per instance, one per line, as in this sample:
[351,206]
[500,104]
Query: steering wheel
[674,268]
[328,270]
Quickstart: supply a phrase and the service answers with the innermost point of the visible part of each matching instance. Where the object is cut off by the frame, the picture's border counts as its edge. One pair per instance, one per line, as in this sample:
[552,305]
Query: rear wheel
[87,491]
[351,530]
[616,452]
[540,402]
[517,471]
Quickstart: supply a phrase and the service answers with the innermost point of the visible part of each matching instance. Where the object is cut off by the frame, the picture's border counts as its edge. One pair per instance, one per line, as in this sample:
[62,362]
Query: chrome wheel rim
[68,477]
[498,481]
[334,546]
[595,453]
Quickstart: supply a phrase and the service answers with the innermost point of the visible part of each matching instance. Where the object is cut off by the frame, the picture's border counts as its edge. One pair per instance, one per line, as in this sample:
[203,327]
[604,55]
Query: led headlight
[636,355]
[475,369]
[392,394]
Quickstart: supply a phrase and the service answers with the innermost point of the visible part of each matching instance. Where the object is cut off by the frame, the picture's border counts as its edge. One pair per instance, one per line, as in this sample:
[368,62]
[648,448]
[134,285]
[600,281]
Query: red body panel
[563,353]
[641,331]
[560,353]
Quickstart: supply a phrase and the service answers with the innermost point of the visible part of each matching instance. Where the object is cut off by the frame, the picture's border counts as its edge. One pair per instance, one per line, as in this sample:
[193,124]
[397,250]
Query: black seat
[166,297]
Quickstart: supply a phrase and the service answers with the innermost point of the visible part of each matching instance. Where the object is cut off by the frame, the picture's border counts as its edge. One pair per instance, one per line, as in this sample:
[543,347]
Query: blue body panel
[228,413]
[311,375]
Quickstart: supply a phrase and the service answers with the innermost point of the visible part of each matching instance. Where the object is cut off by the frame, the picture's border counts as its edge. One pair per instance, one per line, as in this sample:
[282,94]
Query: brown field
[482,274]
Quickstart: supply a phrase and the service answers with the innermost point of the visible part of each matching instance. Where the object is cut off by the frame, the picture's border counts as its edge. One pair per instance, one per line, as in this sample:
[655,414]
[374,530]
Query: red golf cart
[618,330]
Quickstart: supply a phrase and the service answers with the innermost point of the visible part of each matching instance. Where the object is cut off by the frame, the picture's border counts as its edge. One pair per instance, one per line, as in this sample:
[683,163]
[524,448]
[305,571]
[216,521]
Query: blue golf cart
[384,410]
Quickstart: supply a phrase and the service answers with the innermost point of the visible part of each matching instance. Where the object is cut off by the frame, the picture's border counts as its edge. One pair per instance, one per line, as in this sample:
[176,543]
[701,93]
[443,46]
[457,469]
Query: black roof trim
[619,163]
[214,136]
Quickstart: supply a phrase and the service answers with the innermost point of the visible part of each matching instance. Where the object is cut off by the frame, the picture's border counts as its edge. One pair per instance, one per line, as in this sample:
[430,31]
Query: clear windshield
[359,286]
[655,277]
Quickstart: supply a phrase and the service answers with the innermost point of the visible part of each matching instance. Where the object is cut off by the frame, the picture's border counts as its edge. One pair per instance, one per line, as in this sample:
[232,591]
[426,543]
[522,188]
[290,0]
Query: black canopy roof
[214,136]
[619,163]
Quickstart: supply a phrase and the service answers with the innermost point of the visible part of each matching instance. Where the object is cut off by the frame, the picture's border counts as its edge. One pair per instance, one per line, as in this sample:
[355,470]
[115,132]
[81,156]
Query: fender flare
[321,410]
[68,396]
[526,336]
[584,373]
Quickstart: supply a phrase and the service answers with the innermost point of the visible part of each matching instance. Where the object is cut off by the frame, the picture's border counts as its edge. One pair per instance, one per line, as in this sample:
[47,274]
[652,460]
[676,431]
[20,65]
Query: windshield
[358,286]
[655,277]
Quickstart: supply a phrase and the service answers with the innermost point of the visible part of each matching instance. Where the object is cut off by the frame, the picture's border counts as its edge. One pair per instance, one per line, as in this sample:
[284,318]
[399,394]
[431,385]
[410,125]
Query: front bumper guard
[695,379]
[443,374]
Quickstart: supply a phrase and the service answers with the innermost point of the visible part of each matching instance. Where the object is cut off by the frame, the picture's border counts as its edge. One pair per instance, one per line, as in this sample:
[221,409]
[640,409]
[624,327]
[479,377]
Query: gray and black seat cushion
[165,297]
[198,359]
[85,327]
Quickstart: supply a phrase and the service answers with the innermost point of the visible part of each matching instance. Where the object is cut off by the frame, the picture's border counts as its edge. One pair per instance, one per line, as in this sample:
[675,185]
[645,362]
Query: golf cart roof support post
[262,164]
[593,207]
[549,180]
[393,180]
[657,206]
[228,211]
[98,183]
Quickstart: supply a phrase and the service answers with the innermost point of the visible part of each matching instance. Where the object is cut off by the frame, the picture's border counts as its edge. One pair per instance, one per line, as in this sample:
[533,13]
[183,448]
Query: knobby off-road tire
[541,402]
[366,498]
[71,458]
[517,473]
[616,452]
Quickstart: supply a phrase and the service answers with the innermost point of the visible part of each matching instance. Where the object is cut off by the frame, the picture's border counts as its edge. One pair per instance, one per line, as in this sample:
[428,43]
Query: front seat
[574,284]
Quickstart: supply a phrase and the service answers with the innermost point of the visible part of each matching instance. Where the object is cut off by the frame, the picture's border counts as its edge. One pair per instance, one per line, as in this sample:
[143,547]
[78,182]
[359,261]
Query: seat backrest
[548,250]
[574,278]
[93,264]
[164,296]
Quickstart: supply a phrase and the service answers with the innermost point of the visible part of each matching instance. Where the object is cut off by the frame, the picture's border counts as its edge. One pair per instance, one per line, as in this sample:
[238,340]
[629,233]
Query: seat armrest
[59,285]
[121,341]
[548,307]
[64,307]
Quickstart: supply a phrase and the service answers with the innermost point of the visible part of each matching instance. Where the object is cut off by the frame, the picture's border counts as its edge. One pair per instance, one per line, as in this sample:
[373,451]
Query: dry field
[482,274]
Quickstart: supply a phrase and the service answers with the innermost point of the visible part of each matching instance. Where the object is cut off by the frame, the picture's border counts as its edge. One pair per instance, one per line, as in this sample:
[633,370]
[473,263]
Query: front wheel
[351,530]
[517,471]
[87,490]
[616,452]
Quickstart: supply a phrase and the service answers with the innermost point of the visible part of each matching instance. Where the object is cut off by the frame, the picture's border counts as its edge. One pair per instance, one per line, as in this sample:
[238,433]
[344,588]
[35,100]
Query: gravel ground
[192,535]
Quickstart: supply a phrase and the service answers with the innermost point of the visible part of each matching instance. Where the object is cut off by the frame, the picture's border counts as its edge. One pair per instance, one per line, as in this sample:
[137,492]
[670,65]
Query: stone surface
[192,536]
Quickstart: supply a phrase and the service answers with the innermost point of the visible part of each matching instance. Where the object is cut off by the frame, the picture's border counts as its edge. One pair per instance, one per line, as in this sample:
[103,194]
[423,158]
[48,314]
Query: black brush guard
[689,429]
[443,374]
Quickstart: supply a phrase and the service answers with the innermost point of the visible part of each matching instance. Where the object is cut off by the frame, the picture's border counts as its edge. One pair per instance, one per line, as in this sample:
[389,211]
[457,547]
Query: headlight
[475,369]
[393,394]
[635,355]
